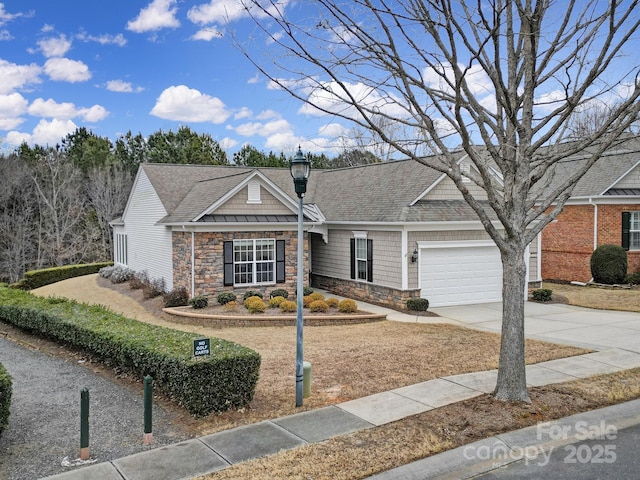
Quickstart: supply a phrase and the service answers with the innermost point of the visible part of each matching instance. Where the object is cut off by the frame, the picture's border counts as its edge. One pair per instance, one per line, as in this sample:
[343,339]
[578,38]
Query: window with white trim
[634,231]
[361,258]
[120,249]
[254,261]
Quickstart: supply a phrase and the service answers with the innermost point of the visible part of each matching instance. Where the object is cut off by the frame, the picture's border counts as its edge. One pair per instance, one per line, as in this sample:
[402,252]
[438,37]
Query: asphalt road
[43,436]
[612,454]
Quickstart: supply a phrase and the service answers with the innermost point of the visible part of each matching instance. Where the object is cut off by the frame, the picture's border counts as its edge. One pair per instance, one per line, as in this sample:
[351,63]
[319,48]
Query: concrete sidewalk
[616,336]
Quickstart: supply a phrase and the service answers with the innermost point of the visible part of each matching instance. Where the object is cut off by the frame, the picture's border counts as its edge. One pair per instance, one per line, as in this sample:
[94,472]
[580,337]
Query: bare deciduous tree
[501,79]
[107,190]
[61,206]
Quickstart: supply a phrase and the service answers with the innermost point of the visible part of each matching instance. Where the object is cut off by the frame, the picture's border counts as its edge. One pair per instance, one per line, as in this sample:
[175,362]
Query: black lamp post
[300,168]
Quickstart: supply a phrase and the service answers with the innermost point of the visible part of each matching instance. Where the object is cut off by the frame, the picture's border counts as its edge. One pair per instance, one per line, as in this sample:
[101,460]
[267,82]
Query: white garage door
[460,273]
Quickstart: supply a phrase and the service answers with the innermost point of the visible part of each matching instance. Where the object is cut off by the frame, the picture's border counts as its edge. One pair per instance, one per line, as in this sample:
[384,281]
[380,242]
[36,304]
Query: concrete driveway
[559,323]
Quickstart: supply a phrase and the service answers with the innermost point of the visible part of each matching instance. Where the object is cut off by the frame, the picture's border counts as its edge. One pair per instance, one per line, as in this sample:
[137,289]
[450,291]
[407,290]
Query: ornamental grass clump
[275,302]
[332,302]
[288,306]
[318,306]
[255,305]
[348,306]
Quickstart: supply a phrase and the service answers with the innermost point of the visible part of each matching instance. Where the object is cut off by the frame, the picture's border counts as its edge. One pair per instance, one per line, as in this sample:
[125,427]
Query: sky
[142,66]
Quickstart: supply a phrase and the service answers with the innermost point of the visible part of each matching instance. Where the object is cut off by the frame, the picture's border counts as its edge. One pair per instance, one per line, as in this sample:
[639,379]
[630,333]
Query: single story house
[604,209]
[384,233]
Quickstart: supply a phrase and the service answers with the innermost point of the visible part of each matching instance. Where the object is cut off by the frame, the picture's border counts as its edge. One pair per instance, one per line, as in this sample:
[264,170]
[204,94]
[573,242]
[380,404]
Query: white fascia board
[411,226]
[237,227]
[604,199]
[456,243]
[428,189]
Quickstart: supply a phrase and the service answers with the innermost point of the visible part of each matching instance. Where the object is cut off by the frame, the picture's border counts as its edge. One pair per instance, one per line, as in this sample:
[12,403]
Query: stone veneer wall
[367,292]
[209,261]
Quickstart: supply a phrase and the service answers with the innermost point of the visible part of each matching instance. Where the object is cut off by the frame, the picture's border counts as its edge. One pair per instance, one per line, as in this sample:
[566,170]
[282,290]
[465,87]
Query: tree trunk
[512,382]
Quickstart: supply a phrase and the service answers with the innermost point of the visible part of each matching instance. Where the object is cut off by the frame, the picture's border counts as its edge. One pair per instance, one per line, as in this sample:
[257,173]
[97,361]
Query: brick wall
[209,261]
[567,243]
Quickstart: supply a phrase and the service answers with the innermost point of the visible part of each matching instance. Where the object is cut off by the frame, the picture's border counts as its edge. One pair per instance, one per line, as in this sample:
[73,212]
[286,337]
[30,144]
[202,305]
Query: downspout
[595,223]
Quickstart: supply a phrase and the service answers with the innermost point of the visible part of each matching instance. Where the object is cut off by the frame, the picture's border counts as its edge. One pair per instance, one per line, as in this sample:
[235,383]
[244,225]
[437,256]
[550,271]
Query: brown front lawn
[594,297]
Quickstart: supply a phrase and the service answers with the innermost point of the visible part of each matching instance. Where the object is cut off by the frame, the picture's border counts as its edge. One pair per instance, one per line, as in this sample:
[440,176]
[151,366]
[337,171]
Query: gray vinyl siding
[149,245]
[630,180]
[269,205]
[447,190]
[333,259]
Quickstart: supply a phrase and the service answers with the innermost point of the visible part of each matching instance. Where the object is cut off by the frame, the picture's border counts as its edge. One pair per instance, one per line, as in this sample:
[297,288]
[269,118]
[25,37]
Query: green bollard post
[147,438]
[306,379]
[84,424]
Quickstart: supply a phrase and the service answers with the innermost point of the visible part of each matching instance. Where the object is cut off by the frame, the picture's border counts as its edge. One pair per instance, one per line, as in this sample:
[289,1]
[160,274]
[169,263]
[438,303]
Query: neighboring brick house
[603,209]
[384,233]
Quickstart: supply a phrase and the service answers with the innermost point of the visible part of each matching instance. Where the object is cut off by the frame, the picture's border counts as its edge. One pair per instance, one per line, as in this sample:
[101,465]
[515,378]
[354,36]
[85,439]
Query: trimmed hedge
[39,278]
[609,264]
[225,379]
[5,397]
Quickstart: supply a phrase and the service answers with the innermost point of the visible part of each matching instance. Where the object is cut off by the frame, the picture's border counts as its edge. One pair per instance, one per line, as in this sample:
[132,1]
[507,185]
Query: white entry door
[460,273]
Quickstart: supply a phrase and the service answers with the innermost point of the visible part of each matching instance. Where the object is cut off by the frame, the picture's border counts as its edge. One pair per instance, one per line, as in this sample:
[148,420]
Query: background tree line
[56,202]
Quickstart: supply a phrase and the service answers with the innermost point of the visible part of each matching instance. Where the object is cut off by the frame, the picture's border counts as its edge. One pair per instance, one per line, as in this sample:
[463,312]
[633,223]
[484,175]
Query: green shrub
[225,379]
[418,304]
[251,293]
[288,306]
[198,302]
[348,306]
[319,306]
[275,302]
[178,297]
[255,305]
[307,291]
[226,297]
[39,278]
[5,397]
[609,264]
[542,295]
[279,292]
[633,278]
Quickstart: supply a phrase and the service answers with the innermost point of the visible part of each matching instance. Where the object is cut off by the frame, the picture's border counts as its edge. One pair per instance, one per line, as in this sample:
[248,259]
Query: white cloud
[185,104]
[207,34]
[65,111]
[157,15]
[255,79]
[550,100]
[243,113]
[221,12]
[52,109]
[93,114]
[263,129]
[227,143]
[104,39]
[45,133]
[282,141]
[333,130]
[6,17]
[329,98]
[217,11]
[65,70]
[267,115]
[54,47]
[17,76]
[12,106]
[5,35]
[122,87]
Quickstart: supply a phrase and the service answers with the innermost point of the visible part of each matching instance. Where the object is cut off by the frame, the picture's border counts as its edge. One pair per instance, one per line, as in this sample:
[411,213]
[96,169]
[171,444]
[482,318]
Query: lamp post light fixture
[300,169]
